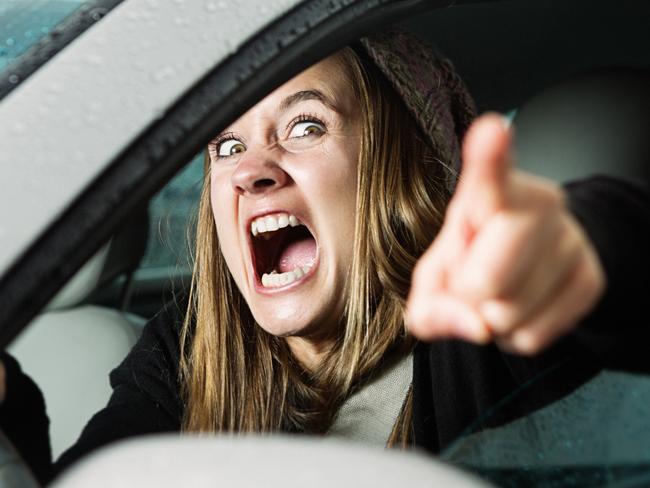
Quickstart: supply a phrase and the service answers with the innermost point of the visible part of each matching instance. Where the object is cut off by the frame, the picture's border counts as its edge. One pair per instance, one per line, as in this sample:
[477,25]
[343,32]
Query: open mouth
[283,250]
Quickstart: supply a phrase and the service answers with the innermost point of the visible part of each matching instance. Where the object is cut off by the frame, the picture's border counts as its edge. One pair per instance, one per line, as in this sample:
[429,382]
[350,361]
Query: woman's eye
[230,147]
[307,128]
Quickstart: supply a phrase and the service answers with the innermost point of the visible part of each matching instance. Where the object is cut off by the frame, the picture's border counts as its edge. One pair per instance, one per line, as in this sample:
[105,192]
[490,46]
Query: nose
[258,174]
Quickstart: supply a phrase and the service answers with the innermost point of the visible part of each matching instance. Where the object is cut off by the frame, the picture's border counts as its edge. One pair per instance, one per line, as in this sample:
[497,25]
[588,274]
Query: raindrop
[222,5]
[13,79]
[94,59]
[211,7]
[56,87]
[228,45]
[45,30]
[79,155]
[95,106]
[10,41]
[162,74]
[97,13]
[90,119]
[181,22]
[19,128]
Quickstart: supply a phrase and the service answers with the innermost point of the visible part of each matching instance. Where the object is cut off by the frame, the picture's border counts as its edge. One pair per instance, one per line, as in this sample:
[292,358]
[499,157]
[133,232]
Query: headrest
[120,256]
[595,123]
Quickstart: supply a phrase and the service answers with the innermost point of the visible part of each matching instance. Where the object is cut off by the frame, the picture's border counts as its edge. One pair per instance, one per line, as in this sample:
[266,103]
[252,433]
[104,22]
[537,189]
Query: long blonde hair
[238,378]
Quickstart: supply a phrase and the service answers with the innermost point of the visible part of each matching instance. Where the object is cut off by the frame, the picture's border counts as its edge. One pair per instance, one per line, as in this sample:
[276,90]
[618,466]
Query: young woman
[331,232]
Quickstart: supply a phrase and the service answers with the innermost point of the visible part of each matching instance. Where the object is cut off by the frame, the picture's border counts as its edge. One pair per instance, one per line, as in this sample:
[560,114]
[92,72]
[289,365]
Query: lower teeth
[275,279]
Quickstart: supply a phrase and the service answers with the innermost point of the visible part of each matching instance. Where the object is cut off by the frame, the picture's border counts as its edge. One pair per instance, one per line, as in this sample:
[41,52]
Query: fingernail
[474,330]
[491,313]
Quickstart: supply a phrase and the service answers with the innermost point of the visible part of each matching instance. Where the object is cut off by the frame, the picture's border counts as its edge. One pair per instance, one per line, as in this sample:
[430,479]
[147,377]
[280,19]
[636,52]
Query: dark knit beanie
[430,88]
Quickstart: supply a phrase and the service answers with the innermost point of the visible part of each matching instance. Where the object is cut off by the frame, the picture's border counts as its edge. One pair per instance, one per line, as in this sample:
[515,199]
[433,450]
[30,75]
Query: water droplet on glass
[13,79]
[45,29]
[97,13]
[10,41]
[19,128]
[56,87]
[94,59]
[181,22]
[162,74]
[95,106]
[101,40]
[79,156]
[222,5]
[211,7]
[228,45]
[90,119]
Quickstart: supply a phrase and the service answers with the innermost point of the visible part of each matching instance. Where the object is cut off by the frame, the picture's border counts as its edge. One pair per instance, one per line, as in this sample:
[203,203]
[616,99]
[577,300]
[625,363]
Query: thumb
[486,163]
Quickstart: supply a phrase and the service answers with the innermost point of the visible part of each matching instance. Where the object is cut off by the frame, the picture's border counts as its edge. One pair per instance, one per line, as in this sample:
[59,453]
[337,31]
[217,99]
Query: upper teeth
[272,223]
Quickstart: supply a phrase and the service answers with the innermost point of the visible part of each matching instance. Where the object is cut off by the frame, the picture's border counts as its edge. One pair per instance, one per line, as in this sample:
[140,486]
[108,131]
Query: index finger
[487,161]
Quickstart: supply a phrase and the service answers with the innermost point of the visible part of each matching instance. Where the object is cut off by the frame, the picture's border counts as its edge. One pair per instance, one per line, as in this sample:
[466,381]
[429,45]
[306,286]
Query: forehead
[329,76]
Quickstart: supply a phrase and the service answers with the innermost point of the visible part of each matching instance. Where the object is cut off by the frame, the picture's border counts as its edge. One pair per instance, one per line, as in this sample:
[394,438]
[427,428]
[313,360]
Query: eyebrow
[303,96]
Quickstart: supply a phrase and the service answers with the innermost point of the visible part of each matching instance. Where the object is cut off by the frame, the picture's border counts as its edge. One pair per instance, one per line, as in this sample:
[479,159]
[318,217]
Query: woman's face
[283,193]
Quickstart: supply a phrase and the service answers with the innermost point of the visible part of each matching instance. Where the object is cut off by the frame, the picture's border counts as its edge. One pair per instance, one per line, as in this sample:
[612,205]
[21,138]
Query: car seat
[593,123]
[70,348]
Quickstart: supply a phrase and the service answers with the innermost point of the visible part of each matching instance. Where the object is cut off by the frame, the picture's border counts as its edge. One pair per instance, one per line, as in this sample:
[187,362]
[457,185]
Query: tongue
[298,253]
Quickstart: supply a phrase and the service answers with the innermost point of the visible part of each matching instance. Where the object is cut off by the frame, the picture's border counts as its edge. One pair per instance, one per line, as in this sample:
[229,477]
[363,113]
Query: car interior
[572,76]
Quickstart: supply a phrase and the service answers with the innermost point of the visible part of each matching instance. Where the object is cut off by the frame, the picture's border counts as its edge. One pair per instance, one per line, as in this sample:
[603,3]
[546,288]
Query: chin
[284,320]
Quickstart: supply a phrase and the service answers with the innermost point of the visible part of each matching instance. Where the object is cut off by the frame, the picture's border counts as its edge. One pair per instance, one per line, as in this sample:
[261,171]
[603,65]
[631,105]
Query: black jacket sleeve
[616,216]
[145,399]
[23,419]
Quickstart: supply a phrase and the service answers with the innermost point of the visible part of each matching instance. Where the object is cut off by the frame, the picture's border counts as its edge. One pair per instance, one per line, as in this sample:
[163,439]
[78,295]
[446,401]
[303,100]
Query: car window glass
[598,434]
[171,214]
[25,22]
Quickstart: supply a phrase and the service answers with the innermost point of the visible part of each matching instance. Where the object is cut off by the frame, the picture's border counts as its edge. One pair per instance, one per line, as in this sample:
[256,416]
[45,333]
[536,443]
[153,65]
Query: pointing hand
[510,263]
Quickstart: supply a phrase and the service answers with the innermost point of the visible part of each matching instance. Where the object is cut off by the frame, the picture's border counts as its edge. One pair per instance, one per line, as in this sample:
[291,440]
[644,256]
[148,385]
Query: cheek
[223,212]
[337,172]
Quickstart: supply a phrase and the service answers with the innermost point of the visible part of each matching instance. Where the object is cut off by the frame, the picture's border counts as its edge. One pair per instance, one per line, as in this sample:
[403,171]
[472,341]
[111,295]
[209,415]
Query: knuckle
[454,209]
[417,320]
[501,317]
[557,196]
[526,342]
[421,272]
[551,196]
[593,278]
[471,284]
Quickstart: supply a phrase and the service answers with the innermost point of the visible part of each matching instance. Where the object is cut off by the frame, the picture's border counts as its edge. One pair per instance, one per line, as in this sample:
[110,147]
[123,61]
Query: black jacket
[454,383]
